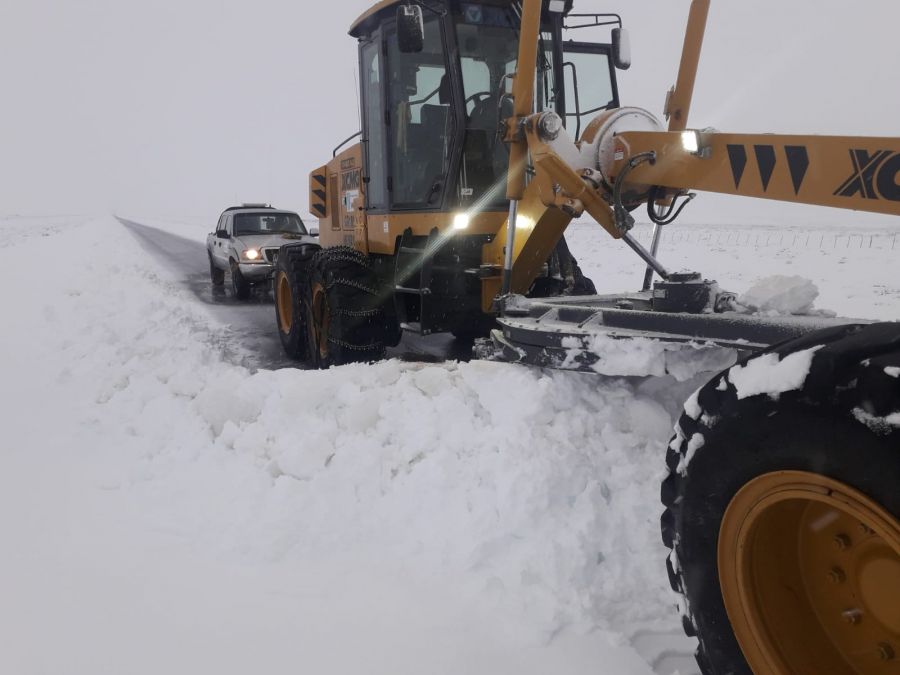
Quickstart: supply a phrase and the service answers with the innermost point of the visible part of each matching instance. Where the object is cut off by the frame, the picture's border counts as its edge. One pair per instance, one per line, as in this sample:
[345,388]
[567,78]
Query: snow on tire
[825,408]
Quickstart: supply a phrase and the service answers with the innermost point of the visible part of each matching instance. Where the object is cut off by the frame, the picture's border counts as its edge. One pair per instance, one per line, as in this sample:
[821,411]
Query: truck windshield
[248,224]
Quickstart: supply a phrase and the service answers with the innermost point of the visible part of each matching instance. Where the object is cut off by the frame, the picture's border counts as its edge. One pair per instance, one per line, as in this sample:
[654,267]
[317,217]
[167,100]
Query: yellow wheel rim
[321,319]
[810,575]
[285,302]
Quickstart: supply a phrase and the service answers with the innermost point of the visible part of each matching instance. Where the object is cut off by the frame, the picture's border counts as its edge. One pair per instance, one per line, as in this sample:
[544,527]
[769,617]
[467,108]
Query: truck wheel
[290,287]
[344,309]
[239,284]
[216,275]
[783,509]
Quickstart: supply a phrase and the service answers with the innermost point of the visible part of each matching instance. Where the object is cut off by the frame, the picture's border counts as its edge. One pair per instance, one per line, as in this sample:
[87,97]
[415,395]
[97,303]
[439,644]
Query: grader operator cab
[487,128]
[423,196]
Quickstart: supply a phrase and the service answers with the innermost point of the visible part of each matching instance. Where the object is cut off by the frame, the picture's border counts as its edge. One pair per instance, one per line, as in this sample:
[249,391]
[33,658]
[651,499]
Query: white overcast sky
[177,109]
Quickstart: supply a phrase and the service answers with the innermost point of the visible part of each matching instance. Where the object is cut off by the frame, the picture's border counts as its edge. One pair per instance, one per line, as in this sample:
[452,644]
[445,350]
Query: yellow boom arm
[861,173]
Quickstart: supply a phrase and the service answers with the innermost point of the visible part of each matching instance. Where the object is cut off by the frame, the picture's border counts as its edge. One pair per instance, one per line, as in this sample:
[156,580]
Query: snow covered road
[169,505]
[251,322]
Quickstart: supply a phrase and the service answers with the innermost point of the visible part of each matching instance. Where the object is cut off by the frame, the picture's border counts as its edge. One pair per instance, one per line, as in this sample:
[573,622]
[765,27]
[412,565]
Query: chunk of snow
[781,295]
[769,374]
[674,561]
[697,441]
[880,425]
[684,362]
[692,406]
[645,357]
[891,371]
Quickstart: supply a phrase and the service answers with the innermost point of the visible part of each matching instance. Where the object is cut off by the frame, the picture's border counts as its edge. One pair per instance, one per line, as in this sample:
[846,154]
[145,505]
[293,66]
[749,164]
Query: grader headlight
[461,221]
[690,141]
[695,143]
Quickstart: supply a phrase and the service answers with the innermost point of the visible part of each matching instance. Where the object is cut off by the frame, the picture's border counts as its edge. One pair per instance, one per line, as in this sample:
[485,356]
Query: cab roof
[368,18]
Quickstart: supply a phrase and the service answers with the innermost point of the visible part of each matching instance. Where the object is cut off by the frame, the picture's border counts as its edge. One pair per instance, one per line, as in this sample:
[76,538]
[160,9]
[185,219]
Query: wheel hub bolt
[837,575]
[886,652]
[852,616]
[842,542]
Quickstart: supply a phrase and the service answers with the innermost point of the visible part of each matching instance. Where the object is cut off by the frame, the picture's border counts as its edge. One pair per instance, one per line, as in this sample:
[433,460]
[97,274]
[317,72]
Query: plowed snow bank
[528,497]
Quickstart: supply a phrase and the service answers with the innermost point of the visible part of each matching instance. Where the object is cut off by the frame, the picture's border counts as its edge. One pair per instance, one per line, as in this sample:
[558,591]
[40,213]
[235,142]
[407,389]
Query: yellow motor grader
[487,128]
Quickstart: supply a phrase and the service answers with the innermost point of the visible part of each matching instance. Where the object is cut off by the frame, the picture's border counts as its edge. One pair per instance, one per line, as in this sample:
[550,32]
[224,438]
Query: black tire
[290,287]
[216,275]
[344,306]
[239,285]
[829,427]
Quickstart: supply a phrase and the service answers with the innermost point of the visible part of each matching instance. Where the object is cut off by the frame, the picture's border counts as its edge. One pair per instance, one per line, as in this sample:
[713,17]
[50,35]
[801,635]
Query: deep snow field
[164,509]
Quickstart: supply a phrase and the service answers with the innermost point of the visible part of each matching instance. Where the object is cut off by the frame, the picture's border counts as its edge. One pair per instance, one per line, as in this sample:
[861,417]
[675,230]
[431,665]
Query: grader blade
[572,333]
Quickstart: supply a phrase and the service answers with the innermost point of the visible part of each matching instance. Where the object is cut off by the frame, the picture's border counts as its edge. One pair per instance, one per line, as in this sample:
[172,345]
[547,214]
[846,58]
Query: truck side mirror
[223,234]
[314,231]
[410,29]
[621,46]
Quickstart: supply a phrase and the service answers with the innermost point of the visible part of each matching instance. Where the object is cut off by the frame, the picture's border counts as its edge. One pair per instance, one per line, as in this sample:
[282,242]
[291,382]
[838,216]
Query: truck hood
[272,240]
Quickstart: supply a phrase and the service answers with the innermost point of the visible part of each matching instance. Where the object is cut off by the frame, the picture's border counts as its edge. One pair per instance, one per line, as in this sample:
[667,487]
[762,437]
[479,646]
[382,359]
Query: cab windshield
[488,37]
[249,224]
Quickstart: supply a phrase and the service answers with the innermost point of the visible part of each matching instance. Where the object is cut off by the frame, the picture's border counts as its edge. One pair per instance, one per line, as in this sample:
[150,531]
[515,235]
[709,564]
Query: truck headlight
[251,254]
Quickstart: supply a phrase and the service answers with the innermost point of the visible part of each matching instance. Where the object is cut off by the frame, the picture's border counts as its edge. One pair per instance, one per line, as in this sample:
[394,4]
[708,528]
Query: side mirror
[410,29]
[314,231]
[223,234]
[621,45]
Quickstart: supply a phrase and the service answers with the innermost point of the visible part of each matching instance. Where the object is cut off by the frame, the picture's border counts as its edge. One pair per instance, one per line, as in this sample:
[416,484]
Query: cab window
[589,81]
[373,120]
[420,119]
[488,52]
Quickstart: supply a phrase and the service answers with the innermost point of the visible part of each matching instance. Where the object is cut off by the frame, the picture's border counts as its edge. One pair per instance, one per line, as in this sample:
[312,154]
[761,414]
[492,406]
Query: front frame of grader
[553,179]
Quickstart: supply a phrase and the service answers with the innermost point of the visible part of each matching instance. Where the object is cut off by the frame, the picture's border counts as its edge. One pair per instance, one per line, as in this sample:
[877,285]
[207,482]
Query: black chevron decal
[320,194]
[798,163]
[738,156]
[319,179]
[765,157]
[320,209]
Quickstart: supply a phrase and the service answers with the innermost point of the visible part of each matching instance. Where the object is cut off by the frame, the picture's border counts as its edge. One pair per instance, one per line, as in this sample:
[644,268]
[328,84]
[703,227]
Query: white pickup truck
[246,244]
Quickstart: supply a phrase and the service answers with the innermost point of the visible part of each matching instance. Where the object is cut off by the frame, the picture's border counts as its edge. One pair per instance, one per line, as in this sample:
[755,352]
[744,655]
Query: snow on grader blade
[566,333]
[782,511]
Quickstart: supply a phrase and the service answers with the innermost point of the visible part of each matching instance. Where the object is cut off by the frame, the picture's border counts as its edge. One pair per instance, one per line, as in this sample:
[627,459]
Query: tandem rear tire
[290,287]
[782,510]
[344,308]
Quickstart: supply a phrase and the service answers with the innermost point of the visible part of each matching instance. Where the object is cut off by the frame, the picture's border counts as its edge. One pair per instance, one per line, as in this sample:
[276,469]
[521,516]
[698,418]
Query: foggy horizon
[180,110]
